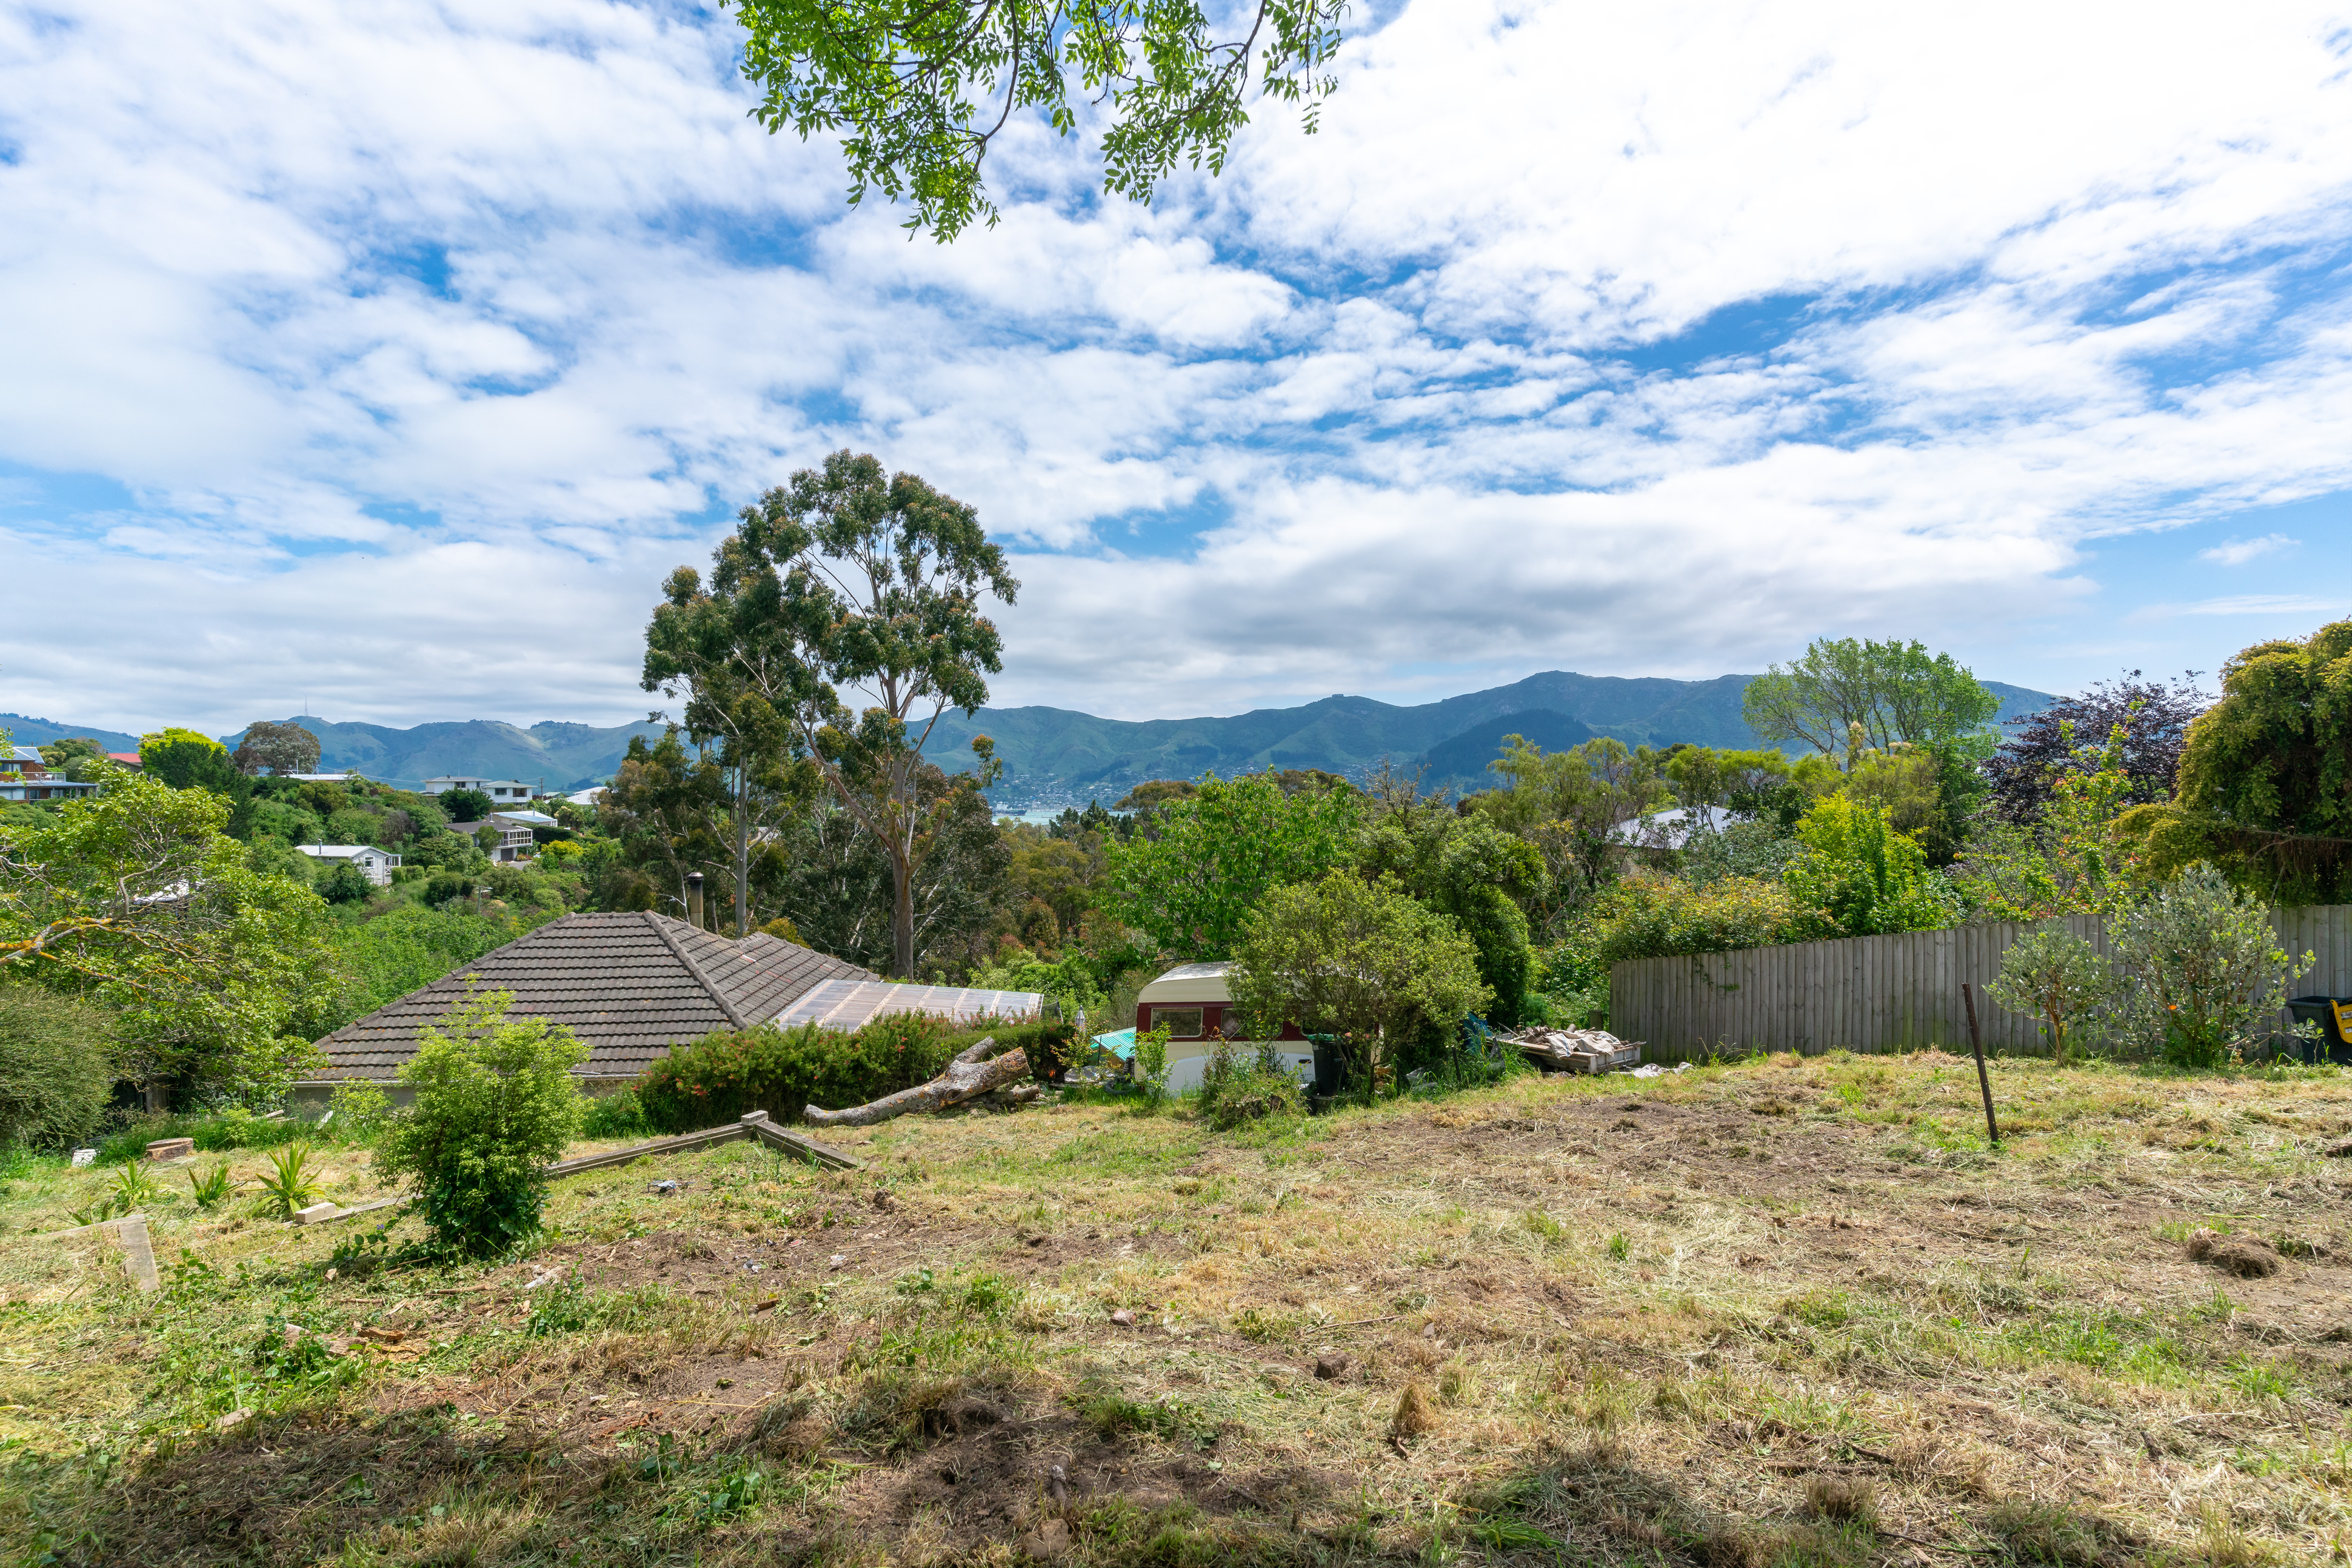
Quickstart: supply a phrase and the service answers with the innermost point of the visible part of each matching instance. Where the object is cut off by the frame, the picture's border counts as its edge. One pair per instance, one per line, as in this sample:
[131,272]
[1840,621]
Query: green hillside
[1055,757]
[25,730]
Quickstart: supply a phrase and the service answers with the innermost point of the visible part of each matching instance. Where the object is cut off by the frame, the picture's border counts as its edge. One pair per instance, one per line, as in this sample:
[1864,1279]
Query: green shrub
[2203,969]
[2055,977]
[1151,1063]
[780,1071]
[720,1077]
[495,1104]
[444,886]
[619,1114]
[1236,1089]
[344,882]
[359,1113]
[1646,915]
[56,1067]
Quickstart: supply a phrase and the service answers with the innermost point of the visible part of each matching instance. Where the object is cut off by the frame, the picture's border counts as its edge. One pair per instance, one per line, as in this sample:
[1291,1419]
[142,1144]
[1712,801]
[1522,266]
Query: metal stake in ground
[1984,1081]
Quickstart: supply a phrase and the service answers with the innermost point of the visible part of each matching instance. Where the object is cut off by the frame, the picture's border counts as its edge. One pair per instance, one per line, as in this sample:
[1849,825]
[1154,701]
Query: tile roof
[627,984]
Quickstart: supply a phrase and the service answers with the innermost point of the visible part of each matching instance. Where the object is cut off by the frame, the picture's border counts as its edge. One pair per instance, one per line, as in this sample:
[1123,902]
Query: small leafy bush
[1151,1063]
[344,883]
[495,1102]
[1646,915]
[56,1067]
[2203,969]
[619,1114]
[2057,978]
[290,1183]
[1236,1090]
[359,1113]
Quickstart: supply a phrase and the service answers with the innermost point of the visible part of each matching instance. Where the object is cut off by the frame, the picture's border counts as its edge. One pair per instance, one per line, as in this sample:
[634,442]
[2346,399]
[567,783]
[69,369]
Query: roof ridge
[661,924]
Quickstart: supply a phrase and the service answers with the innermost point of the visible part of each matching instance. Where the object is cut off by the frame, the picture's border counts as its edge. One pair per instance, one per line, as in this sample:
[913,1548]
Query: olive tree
[2057,978]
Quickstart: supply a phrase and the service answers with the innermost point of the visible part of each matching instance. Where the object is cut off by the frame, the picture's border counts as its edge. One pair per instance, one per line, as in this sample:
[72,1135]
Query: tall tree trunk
[902,913]
[743,853]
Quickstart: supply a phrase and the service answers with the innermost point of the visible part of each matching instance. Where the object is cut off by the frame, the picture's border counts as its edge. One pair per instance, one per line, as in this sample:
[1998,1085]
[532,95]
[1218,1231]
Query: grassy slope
[1731,1317]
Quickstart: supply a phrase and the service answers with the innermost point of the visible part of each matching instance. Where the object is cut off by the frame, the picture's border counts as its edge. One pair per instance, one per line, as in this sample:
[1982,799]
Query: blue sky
[388,356]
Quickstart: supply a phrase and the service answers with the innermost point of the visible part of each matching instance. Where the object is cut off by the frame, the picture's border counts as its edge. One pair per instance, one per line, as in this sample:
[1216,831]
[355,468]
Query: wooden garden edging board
[1896,992]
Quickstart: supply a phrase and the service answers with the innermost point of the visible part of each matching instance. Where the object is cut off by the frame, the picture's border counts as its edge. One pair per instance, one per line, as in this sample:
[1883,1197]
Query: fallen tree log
[971,1074]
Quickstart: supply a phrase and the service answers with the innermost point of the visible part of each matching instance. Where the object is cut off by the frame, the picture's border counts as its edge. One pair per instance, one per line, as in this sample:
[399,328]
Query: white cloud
[406,348]
[2255,605]
[2238,552]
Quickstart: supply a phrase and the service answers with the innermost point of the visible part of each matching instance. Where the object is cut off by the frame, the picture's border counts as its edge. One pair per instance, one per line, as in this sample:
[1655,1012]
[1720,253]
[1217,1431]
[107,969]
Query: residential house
[1194,1004]
[497,789]
[628,986]
[377,863]
[515,837]
[23,776]
[510,823]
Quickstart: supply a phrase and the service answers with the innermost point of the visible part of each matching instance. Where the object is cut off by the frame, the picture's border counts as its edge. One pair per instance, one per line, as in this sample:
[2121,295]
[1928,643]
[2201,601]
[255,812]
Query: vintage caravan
[1191,1001]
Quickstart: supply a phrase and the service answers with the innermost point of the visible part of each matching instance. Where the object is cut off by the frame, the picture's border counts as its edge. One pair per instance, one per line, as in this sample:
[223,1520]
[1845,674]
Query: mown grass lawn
[1781,1311]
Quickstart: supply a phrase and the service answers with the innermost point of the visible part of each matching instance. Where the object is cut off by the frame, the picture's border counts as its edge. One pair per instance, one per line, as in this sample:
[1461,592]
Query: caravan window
[1181,1023]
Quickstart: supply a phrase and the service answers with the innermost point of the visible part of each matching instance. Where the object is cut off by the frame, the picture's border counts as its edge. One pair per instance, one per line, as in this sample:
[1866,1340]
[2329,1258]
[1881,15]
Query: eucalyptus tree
[845,582]
[734,649]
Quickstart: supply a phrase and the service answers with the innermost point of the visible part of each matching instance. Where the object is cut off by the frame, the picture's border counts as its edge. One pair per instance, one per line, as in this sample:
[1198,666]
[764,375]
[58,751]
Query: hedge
[716,1079]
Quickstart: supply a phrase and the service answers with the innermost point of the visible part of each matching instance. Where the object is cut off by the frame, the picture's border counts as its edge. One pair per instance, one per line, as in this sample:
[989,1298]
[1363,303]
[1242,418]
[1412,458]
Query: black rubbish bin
[1330,1067]
[2332,1014]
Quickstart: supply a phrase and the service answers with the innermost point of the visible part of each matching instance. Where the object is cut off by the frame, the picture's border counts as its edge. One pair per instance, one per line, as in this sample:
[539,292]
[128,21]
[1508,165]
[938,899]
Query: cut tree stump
[971,1074]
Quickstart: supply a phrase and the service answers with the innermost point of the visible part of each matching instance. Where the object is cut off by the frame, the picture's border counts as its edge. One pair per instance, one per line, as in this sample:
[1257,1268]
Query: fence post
[1984,1080]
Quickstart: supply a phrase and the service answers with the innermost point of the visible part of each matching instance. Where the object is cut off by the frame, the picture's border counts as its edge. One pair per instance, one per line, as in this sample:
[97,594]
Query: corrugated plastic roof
[629,986]
[847,1004]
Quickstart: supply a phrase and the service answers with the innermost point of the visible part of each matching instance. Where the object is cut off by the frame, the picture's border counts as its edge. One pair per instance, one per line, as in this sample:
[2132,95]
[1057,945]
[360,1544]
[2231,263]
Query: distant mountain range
[1054,756]
[565,755]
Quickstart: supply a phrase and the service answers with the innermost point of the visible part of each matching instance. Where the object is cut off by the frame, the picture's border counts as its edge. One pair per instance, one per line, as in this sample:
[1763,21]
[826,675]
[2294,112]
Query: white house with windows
[514,829]
[498,789]
[377,863]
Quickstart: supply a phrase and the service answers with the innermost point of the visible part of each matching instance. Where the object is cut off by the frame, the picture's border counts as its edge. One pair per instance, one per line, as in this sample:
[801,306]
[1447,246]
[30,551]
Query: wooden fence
[1884,993]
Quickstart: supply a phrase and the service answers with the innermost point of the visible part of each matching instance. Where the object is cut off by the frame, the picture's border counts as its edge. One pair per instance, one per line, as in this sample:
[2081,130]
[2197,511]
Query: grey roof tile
[628,986]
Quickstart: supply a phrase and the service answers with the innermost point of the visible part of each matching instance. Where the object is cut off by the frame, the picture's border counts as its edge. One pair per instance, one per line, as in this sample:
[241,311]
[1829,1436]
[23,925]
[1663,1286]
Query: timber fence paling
[1887,993]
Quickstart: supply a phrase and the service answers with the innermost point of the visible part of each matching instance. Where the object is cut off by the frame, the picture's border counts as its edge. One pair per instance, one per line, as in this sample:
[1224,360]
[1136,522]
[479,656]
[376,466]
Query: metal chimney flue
[694,899]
